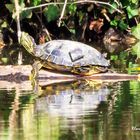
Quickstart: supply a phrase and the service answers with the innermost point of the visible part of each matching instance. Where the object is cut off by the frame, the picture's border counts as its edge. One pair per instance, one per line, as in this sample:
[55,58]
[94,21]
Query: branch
[98,2]
[42,5]
[43,26]
[62,13]
[76,2]
[18,19]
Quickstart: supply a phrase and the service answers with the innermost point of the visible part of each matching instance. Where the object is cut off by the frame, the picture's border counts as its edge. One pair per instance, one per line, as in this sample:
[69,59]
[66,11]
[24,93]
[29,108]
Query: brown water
[71,111]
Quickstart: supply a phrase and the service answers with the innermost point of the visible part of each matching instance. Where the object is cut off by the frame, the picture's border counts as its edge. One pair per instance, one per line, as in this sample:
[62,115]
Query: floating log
[21,73]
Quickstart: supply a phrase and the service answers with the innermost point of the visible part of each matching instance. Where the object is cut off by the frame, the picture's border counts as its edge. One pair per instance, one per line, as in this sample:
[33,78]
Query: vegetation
[81,20]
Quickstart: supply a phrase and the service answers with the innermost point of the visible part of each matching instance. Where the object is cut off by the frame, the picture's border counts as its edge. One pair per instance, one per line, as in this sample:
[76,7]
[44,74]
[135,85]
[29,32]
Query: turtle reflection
[72,98]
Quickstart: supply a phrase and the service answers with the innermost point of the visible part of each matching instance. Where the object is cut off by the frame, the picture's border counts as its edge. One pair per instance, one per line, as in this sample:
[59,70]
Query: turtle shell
[70,54]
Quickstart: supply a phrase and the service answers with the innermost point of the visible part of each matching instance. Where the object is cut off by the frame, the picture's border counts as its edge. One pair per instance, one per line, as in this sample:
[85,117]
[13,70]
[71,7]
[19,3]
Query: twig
[18,19]
[43,26]
[41,5]
[62,13]
[136,21]
[18,29]
[76,2]
[98,2]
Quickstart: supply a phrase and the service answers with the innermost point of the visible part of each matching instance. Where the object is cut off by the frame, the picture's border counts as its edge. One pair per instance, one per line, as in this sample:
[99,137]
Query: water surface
[79,110]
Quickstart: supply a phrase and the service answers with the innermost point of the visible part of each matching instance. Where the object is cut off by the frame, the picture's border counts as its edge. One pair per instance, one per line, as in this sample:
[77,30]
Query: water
[79,110]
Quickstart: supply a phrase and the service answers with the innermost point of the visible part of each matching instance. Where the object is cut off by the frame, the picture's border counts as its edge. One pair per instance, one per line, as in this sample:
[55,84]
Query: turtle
[65,56]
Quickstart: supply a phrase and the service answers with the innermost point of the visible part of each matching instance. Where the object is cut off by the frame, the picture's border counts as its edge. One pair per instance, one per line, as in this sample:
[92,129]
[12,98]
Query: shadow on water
[71,111]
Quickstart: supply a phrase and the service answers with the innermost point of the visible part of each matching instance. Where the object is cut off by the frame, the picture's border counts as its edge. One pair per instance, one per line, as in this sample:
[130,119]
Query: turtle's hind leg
[89,70]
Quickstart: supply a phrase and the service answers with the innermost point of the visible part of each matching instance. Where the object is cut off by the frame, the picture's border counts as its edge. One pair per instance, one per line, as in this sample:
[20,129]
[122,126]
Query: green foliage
[114,57]
[10,7]
[36,2]
[129,7]
[114,23]
[4,60]
[122,56]
[123,25]
[72,8]
[51,12]
[126,3]
[136,49]
[111,9]
[133,68]
[136,31]
[26,14]
[132,12]
[135,1]
[119,23]
[4,25]
[23,14]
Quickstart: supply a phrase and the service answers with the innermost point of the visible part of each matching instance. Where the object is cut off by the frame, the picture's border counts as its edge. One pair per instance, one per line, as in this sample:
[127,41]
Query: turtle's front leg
[34,76]
[35,71]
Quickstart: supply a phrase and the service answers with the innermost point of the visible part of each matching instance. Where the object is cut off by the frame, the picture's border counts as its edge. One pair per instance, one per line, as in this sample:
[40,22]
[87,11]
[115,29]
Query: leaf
[136,31]
[114,23]
[26,14]
[114,57]
[134,1]
[132,12]
[123,25]
[72,8]
[4,24]
[111,9]
[36,2]
[51,12]
[10,7]
[23,14]
[136,49]
[4,60]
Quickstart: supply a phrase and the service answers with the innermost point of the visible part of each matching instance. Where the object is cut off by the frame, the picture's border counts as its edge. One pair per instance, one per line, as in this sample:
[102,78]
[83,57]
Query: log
[12,77]
[21,73]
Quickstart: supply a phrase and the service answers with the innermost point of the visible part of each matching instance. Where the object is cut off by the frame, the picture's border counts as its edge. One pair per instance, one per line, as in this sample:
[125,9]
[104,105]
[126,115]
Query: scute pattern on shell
[70,53]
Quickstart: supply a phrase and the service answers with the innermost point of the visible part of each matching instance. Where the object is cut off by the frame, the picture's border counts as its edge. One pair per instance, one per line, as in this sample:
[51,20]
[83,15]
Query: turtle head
[27,42]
